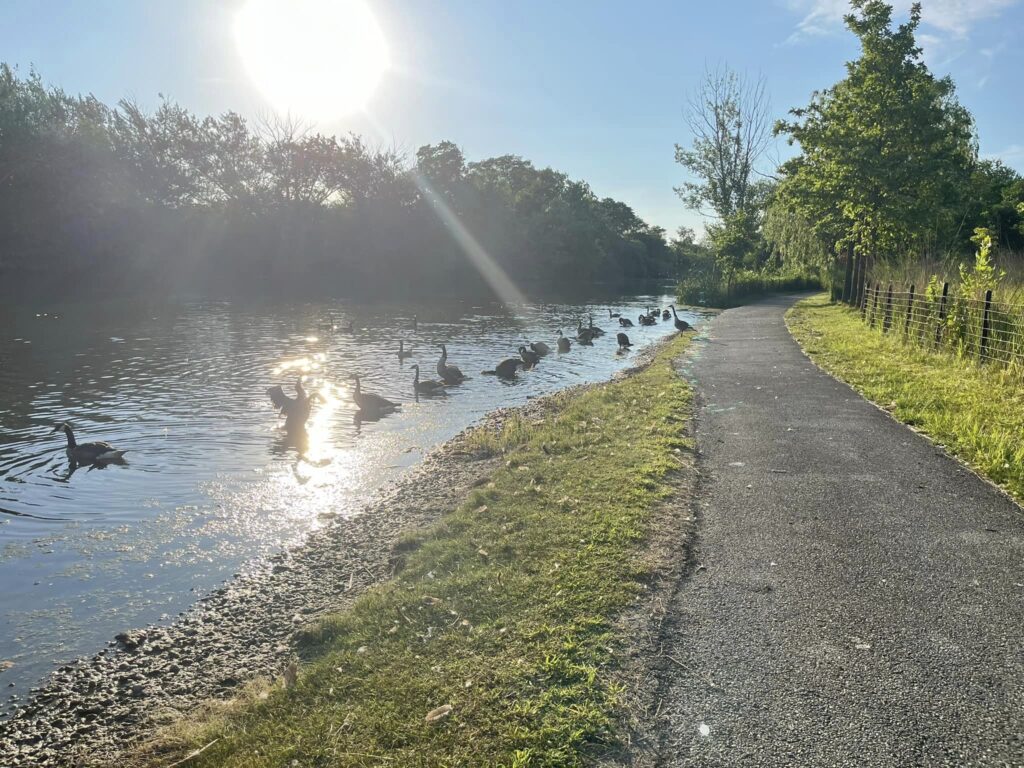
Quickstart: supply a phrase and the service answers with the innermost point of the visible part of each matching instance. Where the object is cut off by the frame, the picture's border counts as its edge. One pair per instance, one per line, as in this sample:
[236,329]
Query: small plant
[964,313]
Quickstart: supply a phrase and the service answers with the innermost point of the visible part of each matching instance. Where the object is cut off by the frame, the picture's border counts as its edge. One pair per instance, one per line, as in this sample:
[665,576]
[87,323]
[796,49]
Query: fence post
[848,276]
[887,320]
[942,314]
[986,324]
[910,310]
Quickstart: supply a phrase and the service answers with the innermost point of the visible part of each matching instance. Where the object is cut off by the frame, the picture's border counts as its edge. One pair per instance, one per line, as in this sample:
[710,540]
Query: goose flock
[296,410]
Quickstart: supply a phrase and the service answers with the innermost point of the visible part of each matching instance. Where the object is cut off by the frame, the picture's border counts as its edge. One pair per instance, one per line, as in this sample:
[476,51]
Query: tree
[728,117]
[886,153]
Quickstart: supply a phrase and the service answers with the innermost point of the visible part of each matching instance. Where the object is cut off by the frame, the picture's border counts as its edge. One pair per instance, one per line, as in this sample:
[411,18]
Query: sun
[315,59]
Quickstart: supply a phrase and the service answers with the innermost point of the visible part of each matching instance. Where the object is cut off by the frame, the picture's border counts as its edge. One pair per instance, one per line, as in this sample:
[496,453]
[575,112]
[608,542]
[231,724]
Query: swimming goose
[449,374]
[295,410]
[665,314]
[506,369]
[540,348]
[427,386]
[594,330]
[681,325]
[530,358]
[612,315]
[350,328]
[645,320]
[583,335]
[402,354]
[625,322]
[623,340]
[564,345]
[367,401]
[89,453]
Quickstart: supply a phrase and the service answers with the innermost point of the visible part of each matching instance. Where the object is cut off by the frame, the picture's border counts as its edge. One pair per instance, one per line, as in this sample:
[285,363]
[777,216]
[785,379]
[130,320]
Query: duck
[681,325]
[623,340]
[89,453]
[625,322]
[295,409]
[506,369]
[563,344]
[665,314]
[449,374]
[612,315]
[371,403]
[427,386]
[540,348]
[530,358]
[402,353]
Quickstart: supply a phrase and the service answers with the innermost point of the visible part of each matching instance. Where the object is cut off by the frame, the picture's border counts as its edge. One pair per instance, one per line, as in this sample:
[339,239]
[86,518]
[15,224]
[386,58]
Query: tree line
[886,170]
[122,199]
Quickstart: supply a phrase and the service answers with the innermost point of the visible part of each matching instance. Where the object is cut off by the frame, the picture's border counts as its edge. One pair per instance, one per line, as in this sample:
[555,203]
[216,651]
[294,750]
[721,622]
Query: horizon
[558,104]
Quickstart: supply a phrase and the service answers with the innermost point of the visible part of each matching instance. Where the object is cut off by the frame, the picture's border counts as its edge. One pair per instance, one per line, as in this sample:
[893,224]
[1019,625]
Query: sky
[593,88]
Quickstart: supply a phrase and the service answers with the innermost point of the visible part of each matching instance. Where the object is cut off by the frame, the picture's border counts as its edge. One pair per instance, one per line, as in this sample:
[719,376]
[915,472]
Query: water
[211,482]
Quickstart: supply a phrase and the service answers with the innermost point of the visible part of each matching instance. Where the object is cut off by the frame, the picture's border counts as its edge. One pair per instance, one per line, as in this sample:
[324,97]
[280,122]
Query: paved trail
[857,598]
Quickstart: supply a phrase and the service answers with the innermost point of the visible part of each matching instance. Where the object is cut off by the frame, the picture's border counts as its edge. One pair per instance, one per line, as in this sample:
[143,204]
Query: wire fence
[985,329]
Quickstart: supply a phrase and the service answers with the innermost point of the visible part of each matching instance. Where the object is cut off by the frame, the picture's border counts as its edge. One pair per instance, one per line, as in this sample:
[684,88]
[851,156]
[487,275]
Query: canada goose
[540,348]
[623,340]
[506,369]
[564,345]
[612,315]
[584,335]
[530,357]
[89,453]
[427,386]
[681,325]
[402,353]
[449,374]
[665,314]
[367,401]
[594,330]
[653,315]
[295,410]
[625,322]
[645,320]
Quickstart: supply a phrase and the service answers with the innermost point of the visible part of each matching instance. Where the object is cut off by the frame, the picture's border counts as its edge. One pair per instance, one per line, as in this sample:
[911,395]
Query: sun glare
[314,59]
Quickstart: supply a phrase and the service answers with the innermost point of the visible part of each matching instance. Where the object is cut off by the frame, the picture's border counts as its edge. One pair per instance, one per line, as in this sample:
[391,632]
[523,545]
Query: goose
[349,328]
[653,315]
[645,320]
[427,386]
[623,340]
[564,345]
[612,315]
[530,358]
[665,314]
[295,409]
[594,330]
[367,401]
[89,453]
[506,369]
[625,322]
[584,335]
[540,348]
[402,353]
[449,373]
[681,325]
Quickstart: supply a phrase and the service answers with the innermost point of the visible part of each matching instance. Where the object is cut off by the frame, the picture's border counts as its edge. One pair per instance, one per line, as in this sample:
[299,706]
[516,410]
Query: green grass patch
[976,411]
[504,611]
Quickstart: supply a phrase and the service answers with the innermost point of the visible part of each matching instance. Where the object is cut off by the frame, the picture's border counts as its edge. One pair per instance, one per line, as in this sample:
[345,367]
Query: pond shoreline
[91,709]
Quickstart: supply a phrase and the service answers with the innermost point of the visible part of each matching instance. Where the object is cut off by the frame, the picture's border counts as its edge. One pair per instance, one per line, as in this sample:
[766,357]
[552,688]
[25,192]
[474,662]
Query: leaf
[438,714]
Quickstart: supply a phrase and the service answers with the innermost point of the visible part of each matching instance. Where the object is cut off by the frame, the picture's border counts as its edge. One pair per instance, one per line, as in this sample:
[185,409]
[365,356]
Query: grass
[505,610]
[975,411]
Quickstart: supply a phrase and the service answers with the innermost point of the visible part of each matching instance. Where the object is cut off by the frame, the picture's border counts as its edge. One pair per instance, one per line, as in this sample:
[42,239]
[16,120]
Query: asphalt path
[856,597]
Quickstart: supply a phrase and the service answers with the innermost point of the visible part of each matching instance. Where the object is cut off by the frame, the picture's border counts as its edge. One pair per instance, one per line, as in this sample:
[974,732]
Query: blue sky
[592,88]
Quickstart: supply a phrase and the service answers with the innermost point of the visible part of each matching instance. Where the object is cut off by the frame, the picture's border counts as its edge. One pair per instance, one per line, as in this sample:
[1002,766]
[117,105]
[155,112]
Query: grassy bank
[709,290]
[505,611]
[975,411]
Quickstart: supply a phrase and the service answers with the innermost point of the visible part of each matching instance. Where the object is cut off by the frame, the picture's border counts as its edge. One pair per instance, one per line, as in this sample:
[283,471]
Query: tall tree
[887,152]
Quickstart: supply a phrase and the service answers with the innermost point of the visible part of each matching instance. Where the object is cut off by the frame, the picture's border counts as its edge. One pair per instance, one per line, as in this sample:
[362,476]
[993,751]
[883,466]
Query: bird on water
[89,453]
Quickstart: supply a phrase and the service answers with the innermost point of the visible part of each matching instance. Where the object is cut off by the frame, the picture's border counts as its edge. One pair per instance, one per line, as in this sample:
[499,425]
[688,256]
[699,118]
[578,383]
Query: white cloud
[950,19]
[1012,155]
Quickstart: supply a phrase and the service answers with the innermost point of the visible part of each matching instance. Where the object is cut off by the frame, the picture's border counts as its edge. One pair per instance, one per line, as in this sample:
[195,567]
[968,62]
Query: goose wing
[279,398]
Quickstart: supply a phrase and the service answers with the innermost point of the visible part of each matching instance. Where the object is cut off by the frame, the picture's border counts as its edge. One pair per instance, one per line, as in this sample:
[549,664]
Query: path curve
[857,597]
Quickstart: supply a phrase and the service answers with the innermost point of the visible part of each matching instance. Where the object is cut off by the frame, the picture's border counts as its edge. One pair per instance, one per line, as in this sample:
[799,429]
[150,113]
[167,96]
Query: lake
[211,482]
